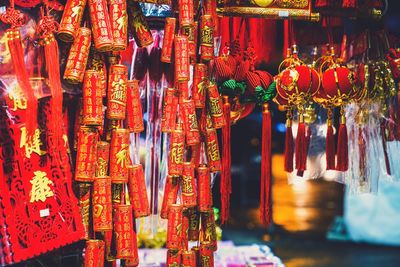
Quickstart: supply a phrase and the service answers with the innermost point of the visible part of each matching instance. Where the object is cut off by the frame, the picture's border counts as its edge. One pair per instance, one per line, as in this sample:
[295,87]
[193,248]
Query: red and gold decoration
[138,25]
[168,121]
[207,37]
[170,194]
[94,253]
[71,20]
[101,25]
[102,204]
[86,154]
[78,56]
[181,45]
[116,96]
[119,24]
[92,99]
[134,113]
[119,156]
[188,186]
[169,33]
[180,97]
[138,191]
[175,220]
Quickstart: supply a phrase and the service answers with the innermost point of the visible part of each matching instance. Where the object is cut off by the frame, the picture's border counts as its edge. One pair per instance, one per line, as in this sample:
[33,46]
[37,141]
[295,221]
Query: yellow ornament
[262,3]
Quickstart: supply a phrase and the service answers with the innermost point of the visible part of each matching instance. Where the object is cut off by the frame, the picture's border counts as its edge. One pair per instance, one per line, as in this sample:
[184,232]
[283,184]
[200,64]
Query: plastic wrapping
[365,145]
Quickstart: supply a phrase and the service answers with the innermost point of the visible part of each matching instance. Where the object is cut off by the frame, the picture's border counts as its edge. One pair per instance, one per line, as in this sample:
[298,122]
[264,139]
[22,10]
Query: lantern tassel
[342,150]
[330,144]
[306,148]
[289,146]
[225,186]
[300,153]
[17,58]
[330,148]
[266,186]
[53,71]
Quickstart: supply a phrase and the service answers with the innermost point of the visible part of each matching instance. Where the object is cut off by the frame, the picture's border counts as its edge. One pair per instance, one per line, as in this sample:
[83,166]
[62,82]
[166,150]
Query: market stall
[116,119]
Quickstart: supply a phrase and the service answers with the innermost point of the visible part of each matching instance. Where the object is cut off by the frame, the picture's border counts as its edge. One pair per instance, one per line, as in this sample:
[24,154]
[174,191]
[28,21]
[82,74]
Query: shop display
[115,126]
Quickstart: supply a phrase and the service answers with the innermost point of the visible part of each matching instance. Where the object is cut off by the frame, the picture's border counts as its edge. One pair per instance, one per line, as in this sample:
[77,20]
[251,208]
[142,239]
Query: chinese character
[19,101]
[31,143]
[122,156]
[40,187]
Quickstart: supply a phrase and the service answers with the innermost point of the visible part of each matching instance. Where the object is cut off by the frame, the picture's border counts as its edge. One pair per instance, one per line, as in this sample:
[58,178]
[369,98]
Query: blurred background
[308,226]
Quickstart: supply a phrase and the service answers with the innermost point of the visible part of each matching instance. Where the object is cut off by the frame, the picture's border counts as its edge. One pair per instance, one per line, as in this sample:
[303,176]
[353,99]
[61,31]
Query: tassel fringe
[225,186]
[266,182]
[300,153]
[289,146]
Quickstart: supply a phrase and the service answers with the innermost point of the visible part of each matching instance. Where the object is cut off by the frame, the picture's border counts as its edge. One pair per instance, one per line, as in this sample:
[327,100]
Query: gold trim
[272,13]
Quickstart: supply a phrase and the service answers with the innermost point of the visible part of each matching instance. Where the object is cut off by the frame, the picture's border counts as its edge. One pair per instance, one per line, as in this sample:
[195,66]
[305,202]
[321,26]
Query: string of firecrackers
[112,190]
[190,117]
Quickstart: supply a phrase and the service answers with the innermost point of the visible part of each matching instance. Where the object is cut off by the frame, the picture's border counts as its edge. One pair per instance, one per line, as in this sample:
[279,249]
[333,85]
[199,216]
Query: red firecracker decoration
[138,191]
[101,25]
[134,113]
[169,33]
[170,194]
[78,56]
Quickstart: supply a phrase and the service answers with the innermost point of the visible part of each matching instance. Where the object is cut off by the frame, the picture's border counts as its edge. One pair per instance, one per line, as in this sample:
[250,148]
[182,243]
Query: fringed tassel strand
[16,19]
[300,153]
[46,28]
[289,144]
[306,148]
[17,57]
[225,186]
[53,71]
[330,144]
[266,182]
[342,150]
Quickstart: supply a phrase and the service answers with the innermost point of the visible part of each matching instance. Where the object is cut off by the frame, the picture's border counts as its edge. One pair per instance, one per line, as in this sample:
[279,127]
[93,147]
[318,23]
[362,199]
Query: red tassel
[17,57]
[330,148]
[266,183]
[307,145]
[342,149]
[300,153]
[289,146]
[383,135]
[53,72]
[46,28]
[349,3]
[225,186]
